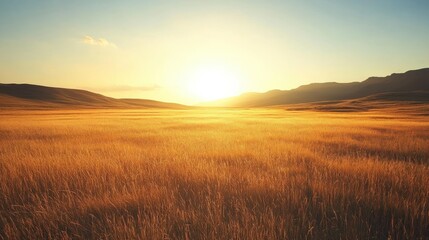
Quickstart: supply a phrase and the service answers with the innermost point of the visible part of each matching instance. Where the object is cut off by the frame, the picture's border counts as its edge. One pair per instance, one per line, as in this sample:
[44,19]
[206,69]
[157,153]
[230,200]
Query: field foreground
[213,174]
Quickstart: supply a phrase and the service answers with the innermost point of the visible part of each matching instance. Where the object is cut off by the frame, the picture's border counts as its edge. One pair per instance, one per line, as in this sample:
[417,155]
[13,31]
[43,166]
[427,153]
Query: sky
[193,51]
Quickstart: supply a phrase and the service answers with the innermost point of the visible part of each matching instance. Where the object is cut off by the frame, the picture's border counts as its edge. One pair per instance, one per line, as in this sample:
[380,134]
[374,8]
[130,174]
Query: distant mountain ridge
[36,96]
[410,81]
[411,86]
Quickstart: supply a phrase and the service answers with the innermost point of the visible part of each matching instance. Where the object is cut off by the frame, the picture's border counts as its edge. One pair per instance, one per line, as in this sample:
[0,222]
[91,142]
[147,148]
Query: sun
[213,82]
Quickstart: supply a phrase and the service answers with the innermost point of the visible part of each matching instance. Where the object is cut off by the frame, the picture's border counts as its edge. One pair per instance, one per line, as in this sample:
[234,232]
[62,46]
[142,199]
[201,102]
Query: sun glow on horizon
[211,82]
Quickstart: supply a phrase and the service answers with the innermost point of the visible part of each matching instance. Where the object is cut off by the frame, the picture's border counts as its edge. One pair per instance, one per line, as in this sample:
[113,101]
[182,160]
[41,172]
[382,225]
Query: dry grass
[213,174]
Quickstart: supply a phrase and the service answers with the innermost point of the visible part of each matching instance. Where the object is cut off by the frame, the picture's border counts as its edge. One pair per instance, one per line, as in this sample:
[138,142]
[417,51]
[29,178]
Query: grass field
[213,174]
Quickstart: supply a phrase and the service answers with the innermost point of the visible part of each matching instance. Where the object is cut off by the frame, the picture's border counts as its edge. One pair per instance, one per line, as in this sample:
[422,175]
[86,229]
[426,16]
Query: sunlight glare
[213,82]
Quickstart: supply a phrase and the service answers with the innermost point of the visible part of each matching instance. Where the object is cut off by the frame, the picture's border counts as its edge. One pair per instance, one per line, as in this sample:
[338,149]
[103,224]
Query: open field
[213,174]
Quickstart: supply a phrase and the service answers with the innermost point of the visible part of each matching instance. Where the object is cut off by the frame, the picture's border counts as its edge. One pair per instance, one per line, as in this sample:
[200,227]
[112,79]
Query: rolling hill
[414,103]
[411,87]
[35,96]
[404,83]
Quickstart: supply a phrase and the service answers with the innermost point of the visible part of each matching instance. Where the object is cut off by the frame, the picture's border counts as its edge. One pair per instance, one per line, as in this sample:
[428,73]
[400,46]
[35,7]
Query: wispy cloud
[127,88]
[97,41]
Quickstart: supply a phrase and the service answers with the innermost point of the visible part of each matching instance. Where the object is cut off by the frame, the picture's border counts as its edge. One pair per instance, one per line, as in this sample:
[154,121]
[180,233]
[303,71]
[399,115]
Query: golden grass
[213,174]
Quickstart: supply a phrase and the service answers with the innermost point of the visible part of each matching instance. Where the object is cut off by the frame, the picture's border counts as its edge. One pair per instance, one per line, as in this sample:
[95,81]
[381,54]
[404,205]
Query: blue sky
[148,49]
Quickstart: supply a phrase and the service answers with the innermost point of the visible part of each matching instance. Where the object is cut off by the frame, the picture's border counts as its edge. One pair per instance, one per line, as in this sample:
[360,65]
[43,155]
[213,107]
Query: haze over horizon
[191,51]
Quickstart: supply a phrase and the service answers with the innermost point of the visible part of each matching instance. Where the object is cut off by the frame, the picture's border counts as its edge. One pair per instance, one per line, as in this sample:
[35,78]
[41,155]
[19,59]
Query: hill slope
[415,80]
[35,96]
[416,103]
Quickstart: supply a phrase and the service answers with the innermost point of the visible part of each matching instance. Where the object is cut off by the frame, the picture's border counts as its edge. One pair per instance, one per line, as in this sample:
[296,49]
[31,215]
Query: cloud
[97,42]
[127,88]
